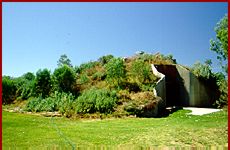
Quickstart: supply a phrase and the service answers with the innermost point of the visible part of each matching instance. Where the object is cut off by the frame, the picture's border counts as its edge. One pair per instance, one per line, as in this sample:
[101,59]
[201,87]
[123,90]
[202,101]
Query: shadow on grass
[169,110]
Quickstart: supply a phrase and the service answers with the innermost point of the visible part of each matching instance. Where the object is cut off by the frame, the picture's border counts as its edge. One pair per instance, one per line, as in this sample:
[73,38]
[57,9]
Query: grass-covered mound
[110,85]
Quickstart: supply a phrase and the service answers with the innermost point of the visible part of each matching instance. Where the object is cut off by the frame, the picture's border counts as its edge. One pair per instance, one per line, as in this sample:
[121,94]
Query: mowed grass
[179,129]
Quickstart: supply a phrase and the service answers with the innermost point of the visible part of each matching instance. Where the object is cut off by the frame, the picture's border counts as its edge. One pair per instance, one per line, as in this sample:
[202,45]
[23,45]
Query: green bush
[62,102]
[39,104]
[157,58]
[115,72]
[34,104]
[105,101]
[140,71]
[64,78]
[83,78]
[223,89]
[43,83]
[132,108]
[86,103]
[87,65]
[105,59]
[8,90]
[99,76]
[29,76]
[27,89]
[202,70]
[25,86]
[96,100]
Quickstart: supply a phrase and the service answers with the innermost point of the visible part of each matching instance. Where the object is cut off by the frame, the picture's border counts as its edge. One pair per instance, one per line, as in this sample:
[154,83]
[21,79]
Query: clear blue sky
[36,34]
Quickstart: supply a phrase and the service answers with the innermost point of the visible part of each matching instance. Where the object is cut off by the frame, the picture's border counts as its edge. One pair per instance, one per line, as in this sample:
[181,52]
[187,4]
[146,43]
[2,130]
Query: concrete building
[178,86]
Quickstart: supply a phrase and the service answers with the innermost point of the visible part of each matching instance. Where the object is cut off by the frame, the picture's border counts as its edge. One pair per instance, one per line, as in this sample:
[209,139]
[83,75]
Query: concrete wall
[160,89]
[180,87]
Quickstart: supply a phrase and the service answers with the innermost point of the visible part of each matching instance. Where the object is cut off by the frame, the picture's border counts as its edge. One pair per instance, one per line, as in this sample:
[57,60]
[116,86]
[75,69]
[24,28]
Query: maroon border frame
[93,1]
[114,0]
[1,75]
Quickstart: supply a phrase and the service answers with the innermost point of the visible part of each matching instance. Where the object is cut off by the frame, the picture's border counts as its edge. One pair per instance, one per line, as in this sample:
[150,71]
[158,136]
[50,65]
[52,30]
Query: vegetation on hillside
[119,86]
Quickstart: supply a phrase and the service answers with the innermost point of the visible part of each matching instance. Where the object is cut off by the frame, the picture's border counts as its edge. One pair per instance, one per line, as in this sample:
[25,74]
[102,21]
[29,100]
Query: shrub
[132,108]
[43,83]
[64,78]
[105,101]
[157,58]
[105,59]
[62,102]
[29,76]
[223,89]
[143,104]
[83,79]
[39,104]
[25,86]
[141,71]
[115,72]
[86,103]
[34,104]
[96,100]
[148,86]
[99,76]
[8,90]
[202,70]
[87,65]
[27,89]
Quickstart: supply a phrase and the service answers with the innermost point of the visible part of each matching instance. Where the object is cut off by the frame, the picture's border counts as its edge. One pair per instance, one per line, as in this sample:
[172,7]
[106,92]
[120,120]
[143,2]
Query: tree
[29,76]
[64,60]
[220,46]
[64,78]
[8,90]
[43,83]
[223,89]
[25,86]
[220,43]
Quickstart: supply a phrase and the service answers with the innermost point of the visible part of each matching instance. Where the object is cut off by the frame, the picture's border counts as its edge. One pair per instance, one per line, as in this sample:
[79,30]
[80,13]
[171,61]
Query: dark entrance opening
[176,94]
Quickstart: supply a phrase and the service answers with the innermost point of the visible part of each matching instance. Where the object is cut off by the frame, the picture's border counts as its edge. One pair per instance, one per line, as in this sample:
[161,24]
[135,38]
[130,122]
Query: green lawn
[179,129]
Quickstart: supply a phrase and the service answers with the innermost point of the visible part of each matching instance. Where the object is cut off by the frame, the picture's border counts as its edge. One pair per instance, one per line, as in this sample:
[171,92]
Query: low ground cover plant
[96,100]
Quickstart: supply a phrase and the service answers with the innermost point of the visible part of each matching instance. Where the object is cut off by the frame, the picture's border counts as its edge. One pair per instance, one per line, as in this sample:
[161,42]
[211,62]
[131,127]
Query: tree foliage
[25,86]
[115,71]
[64,60]
[8,90]
[29,76]
[220,46]
[96,100]
[64,78]
[220,43]
[223,89]
[43,83]
[141,71]
[202,70]
[105,59]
